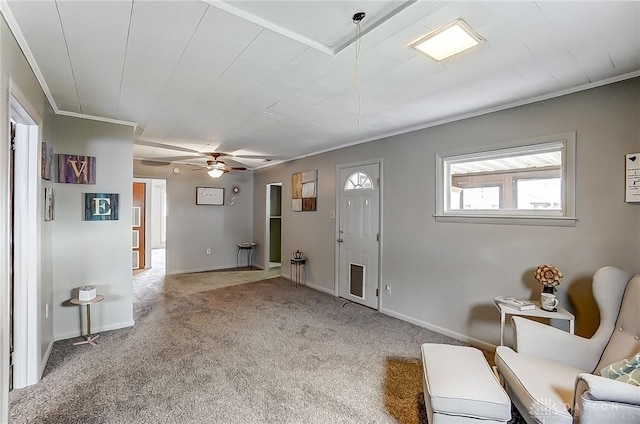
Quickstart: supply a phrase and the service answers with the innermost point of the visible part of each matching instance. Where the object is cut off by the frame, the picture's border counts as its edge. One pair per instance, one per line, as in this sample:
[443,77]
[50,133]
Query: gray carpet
[260,352]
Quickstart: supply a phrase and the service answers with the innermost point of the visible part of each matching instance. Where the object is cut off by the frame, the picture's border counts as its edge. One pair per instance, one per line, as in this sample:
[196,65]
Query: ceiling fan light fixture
[215,173]
[447,41]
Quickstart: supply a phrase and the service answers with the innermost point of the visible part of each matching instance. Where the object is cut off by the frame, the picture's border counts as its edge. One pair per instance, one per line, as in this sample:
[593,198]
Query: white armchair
[554,377]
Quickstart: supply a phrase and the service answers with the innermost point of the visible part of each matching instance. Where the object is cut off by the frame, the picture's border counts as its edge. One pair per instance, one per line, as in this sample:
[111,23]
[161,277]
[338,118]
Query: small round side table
[88,338]
[298,263]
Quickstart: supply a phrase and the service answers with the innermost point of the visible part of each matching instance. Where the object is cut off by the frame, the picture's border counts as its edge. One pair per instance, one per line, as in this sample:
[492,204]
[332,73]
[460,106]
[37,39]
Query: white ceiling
[253,77]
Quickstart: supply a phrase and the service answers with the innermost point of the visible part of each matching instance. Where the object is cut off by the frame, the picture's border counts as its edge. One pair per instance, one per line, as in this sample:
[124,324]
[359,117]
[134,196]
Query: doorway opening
[149,227]
[273,254]
[24,243]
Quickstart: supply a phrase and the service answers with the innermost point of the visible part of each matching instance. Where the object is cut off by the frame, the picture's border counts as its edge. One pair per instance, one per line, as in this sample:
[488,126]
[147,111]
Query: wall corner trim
[45,358]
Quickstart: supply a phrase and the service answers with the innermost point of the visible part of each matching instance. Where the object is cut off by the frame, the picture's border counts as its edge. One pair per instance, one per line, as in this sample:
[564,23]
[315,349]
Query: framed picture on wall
[209,196]
[49,204]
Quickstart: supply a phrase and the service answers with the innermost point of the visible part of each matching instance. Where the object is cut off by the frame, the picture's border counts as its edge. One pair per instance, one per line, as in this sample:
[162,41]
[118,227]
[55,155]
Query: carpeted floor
[258,352]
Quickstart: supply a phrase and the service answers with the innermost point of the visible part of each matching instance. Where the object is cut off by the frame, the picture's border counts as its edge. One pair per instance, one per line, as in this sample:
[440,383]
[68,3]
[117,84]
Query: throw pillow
[627,370]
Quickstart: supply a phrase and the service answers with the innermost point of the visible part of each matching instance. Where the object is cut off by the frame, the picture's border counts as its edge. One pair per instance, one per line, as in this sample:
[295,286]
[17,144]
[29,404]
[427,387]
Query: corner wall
[192,229]
[15,72]
[445,275]
[93,252]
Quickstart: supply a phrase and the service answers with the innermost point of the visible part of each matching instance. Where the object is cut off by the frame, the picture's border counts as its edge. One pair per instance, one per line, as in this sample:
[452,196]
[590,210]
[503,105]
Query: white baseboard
[322,289]
[95,330]
[45,359]
[222,268]
[310,285]
[458,336]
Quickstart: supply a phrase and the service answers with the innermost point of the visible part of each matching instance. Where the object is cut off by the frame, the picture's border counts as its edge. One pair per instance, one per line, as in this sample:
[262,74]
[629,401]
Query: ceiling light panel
[447,41]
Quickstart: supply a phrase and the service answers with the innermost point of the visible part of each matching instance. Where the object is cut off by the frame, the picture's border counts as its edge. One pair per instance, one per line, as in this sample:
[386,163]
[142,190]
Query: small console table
[249,248]
[89,338]
[561,313]
[300,265]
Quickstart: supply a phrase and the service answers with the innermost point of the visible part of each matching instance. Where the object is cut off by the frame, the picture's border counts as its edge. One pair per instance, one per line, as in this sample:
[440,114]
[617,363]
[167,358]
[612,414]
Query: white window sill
[544,221]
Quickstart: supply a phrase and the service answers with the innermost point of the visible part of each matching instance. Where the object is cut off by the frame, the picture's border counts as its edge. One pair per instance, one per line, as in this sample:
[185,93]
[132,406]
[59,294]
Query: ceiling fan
[216,168]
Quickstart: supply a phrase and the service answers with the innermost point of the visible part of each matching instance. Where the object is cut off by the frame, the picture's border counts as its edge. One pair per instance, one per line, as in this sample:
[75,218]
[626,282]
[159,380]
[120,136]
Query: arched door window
[358,181]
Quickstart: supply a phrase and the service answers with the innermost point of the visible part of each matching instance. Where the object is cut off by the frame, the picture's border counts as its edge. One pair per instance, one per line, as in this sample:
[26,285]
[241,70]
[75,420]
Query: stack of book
[512,302]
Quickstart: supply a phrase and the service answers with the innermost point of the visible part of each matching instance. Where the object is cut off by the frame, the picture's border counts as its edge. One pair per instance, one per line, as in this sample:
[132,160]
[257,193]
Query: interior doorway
[149,225]
[24,242]
[273,254]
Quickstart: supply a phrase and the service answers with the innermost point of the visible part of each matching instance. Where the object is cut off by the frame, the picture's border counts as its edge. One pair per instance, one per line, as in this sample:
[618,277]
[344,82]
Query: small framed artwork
[49,204]
[209,196]
[632,173]
[101,206]
[304,191]
[76,169]
[47,160]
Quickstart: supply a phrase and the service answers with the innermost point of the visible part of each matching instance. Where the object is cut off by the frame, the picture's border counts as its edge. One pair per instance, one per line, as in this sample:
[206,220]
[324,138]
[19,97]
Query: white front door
[358,234]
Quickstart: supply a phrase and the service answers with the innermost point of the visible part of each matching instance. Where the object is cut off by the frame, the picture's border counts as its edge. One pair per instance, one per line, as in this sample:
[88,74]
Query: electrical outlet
[387,288]
[208,251]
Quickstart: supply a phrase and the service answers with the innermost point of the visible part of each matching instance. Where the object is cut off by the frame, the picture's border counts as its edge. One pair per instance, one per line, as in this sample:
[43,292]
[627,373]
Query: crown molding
[455,118]
[22,43]
[331,50]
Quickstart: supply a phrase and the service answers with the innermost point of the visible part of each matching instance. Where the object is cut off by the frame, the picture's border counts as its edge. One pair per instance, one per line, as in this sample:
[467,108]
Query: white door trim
[267,226]
[338,189]
[28,208]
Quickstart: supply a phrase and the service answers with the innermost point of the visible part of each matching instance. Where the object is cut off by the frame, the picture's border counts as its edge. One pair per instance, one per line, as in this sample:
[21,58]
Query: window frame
[566,142]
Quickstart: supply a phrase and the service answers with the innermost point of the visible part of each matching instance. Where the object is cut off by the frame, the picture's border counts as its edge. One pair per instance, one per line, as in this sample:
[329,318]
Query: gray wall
[444,275]
[14,67]
[93,252]
[192,229]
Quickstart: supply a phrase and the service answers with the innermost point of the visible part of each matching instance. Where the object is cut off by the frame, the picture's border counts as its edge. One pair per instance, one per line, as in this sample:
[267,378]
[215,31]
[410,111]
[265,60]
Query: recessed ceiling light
[447,41]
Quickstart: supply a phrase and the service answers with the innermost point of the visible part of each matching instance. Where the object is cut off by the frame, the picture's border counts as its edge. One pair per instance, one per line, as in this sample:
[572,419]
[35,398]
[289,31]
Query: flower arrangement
[548,275]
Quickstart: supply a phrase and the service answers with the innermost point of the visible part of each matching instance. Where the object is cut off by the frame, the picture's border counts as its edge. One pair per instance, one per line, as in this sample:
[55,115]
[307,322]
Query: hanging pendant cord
[355,72]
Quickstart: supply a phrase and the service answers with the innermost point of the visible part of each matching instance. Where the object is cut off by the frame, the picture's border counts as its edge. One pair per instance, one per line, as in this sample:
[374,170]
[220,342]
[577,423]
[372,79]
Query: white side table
[538,312]
[88,338]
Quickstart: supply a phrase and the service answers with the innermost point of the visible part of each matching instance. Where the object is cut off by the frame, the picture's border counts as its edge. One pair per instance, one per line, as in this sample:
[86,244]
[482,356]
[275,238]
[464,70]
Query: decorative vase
[547,289]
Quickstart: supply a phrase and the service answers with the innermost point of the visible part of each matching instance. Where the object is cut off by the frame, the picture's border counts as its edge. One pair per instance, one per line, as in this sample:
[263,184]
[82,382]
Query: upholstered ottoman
[460,387]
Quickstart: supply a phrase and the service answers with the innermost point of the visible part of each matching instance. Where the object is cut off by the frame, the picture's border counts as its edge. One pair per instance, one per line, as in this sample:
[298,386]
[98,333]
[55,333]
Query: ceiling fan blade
[237,168]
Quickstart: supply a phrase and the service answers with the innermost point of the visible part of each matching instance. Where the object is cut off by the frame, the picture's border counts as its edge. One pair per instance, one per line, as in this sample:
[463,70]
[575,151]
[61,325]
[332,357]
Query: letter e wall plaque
[76,169]
[101,206]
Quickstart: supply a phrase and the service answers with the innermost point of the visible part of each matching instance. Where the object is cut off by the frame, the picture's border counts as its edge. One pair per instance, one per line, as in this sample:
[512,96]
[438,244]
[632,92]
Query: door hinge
[377,292]
[378,237]
[378,181]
